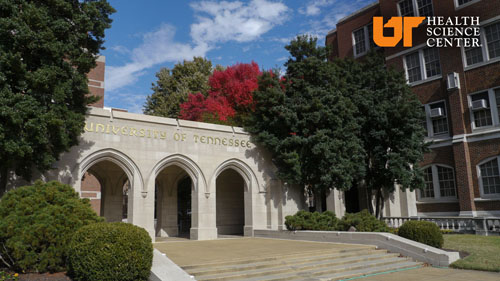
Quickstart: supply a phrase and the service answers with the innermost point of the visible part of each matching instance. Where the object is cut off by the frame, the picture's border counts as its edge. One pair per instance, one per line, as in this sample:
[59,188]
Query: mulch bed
[60,276]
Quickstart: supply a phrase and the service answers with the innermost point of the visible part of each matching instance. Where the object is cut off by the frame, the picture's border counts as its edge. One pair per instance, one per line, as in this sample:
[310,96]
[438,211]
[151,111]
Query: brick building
[462,171]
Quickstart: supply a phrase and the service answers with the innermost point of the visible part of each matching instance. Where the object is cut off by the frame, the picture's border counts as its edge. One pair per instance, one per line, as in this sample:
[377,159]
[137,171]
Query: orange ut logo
[399,29]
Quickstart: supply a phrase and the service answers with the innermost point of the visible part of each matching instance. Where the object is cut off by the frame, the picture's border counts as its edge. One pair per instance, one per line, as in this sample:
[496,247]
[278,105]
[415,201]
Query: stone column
[167,207]
[112,202]
[408,203]
[203,219]
[335,202]
[392,203]
[248,193]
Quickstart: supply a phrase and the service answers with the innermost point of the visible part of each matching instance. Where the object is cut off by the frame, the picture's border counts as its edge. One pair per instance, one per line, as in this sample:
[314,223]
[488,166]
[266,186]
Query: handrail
[476,225]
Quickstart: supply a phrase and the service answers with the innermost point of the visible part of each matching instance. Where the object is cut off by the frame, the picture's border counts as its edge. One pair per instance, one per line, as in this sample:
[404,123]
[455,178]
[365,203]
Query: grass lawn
[484,251]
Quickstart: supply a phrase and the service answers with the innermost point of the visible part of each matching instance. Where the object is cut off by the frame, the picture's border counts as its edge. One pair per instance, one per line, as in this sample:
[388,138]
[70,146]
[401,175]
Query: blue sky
[150,34]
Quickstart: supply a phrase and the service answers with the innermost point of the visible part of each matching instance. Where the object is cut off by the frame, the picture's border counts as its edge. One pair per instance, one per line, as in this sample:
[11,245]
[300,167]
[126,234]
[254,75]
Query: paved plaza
[188,252]
[222,255]
[436,274]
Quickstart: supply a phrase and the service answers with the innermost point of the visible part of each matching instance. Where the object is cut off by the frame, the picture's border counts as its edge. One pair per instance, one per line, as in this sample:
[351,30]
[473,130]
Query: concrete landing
[189,252]
[435,274]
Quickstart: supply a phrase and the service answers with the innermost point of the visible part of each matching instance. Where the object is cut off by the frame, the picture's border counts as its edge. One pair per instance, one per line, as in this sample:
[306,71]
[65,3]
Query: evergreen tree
[46,50]
[307,121]
[173,86]
[392,134]
[341,124]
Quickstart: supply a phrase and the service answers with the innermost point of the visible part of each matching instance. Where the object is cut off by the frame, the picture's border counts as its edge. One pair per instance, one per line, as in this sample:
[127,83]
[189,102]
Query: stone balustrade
[477,225]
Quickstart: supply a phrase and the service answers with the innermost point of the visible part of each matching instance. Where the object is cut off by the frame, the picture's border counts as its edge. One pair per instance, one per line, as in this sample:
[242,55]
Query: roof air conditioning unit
[437,112]
[479,104]
[453,81]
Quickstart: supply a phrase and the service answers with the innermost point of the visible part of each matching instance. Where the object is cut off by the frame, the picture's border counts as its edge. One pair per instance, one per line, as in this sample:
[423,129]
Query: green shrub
[422,231]
[363,222]
[304,220]
[110,251]
[37,222]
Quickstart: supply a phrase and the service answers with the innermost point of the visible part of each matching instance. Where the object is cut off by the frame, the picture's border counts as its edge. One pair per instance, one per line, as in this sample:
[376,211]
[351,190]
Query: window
[428,191]
[492,34]
[461,2]
[490,46]
[431,58]
[362,40]
[485,108]
[436,119]
[489,178]
[422,64]
[415,8]
[439,183]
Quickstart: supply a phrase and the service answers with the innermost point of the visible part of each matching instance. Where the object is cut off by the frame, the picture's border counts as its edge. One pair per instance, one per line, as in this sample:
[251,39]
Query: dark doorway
[230,203]
[352,200]
[184,206]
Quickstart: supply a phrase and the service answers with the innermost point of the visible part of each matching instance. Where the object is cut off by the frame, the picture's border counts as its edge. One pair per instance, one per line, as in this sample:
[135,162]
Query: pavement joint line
[321,242]
[380,273]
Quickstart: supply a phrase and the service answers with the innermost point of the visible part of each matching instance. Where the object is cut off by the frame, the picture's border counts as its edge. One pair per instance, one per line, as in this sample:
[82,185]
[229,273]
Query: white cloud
[224,21]
[216,22]
[326,13]
[120,49]
[313,7]
[157,47]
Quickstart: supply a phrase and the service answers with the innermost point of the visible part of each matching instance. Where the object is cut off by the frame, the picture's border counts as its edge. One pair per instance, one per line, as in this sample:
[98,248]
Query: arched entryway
[230,203]
[173,201]
[107,186]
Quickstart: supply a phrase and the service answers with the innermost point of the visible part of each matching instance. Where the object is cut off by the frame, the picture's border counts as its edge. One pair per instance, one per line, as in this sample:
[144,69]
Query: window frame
[484,47]
[458,6]
[435,185]
[480,180]
[430,126]
[423,70]
[495,119]
[366,36]
[415,8]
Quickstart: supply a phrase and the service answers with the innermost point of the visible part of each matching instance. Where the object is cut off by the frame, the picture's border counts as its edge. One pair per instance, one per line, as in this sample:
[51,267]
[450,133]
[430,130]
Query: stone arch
[241,168]
[184,162]
[116,157]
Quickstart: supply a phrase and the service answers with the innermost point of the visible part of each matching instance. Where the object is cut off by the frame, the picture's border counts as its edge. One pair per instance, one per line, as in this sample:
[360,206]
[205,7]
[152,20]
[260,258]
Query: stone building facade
[463,123]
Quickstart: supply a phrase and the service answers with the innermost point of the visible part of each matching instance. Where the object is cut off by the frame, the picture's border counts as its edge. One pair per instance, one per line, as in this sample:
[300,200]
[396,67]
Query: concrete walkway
[435,274]
[189,252]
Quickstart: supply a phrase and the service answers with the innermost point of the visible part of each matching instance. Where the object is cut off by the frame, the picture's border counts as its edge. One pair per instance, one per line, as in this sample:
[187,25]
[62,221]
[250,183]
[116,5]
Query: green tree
[392,134]
[342,124]
[307,121]
[173,86]
[46,50]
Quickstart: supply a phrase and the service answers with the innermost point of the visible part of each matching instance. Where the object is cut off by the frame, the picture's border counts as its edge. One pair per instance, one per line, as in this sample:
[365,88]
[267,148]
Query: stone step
[318,267]
[277,257]
[408,265]
[340,272]
[210,270]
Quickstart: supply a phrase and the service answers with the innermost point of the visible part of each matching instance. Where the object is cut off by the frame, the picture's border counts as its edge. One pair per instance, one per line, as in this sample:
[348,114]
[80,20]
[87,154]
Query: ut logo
[401,25]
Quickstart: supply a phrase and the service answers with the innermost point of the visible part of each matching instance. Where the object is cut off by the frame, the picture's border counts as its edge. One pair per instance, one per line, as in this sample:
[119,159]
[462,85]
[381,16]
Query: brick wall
[96,81]
[91,189]
[463,156]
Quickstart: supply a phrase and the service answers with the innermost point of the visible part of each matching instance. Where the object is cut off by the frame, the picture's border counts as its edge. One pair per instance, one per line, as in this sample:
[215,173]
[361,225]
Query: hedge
[110,251]
[37,223]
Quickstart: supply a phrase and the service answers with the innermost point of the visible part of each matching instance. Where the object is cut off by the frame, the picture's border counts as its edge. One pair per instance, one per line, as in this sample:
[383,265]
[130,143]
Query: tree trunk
[379,203]
[4,172]
[369,198]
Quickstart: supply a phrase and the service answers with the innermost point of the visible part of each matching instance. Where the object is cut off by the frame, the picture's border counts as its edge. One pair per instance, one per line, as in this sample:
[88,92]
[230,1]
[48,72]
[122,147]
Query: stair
[314,265]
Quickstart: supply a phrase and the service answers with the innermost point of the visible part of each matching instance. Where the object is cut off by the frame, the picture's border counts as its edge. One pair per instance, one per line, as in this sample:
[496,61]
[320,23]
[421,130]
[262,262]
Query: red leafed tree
[230,96]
